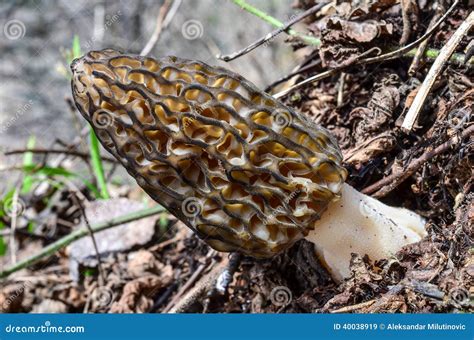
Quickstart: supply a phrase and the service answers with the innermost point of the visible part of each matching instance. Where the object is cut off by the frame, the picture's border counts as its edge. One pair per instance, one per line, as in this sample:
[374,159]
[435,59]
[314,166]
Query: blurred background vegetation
[37,36]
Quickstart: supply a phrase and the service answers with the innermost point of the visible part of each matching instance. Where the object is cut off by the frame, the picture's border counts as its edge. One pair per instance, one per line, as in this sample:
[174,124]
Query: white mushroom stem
[360,224]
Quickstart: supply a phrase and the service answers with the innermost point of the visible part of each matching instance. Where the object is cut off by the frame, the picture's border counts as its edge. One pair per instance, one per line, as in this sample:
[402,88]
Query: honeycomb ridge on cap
[241,169]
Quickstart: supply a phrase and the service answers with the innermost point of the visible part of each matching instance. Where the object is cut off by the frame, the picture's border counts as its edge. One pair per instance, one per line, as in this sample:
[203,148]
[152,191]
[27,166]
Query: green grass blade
[97,165]
[76,47]
[275,22]
[3,244]
[27,184]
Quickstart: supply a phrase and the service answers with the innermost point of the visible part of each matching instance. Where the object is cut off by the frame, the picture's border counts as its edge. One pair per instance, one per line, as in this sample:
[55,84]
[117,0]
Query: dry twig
[200,288]
[434,71]
[163,19]
[76,235]
[272,34]
[194,277]
[389,183]
[422,47]
[78,203]
[405,7]
[356,307]
[297,71]
[83,155]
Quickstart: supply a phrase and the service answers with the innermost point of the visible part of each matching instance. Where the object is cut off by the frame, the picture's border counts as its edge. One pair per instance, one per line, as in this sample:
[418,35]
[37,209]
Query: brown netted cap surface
[244,171]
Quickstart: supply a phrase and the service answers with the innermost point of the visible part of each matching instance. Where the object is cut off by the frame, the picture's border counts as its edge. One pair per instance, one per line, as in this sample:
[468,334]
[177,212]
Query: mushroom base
[360,224]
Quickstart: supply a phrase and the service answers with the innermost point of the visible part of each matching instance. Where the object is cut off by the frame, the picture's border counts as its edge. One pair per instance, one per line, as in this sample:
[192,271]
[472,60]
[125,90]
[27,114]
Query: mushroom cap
[242,170]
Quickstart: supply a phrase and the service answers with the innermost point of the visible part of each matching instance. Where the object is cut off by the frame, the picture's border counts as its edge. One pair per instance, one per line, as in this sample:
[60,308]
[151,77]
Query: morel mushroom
[242,170]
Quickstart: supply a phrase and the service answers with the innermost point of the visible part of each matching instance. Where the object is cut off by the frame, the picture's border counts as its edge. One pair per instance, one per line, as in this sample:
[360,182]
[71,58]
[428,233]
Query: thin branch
[389,183]
[200,288]
[83,155]
[25,233]
[422,47]
[314,78]
[76,235]
[353,308]
[385,298]
[299,70]
[160,24]
[272,34]
[276,23]
[351,153]
[171,13]
[78,202]
[405,7]
[434,72]
[194,277]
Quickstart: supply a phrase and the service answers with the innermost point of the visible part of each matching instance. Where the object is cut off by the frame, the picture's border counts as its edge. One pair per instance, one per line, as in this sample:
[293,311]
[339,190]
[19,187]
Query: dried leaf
[370,149]
[143,262]
[371,7]
[138,295]
[342,41]
[11,298]
[380,109]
